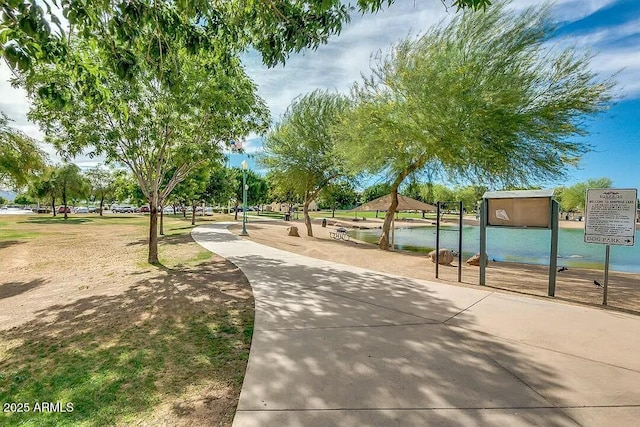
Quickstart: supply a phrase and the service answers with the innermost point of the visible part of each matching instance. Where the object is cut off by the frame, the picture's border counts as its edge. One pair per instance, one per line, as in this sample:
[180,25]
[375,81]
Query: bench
[339,234]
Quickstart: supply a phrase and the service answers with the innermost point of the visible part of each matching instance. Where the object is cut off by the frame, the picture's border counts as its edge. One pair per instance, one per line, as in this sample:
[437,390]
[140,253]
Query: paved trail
[340,345]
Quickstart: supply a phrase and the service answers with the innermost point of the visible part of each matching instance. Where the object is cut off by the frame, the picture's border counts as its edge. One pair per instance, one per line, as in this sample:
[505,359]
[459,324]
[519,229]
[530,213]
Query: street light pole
[244,198]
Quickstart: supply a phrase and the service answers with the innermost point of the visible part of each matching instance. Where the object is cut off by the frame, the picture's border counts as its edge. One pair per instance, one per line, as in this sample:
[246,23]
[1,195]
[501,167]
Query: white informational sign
[611,216]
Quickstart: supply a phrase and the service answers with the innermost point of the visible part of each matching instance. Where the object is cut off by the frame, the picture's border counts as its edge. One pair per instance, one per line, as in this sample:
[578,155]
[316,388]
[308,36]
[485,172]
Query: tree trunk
[64,203]
[153,231]
[383,243]
[101,204]
[333,212]
[235,217]
[184,211]
[193,213]
[307,218]
[161,222]
[53,205]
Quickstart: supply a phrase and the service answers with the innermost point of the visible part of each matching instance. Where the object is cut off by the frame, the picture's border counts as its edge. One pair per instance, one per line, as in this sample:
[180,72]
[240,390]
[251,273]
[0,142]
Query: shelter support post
[483,242]
[553,256]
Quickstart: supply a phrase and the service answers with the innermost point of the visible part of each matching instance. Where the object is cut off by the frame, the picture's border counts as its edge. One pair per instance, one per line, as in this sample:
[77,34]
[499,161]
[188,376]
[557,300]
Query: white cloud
[612,57]
[606,35]
[568,10]
[625,62]
[337,65]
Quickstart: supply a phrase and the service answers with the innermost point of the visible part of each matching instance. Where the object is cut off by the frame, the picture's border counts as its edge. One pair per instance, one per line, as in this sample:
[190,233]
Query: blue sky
[609,28]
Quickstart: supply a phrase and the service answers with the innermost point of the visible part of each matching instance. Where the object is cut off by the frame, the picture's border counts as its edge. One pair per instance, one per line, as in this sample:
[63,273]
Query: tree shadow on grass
[56,220]
[168,239]
[119,358]
[9,243]
[11,289]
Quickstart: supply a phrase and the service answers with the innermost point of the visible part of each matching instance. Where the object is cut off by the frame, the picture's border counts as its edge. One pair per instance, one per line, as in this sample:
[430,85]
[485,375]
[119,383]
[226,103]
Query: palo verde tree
[300,151]
[482,99]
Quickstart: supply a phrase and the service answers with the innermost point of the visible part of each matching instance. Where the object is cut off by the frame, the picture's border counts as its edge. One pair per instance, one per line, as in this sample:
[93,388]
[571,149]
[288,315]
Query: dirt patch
[573,285]
[86,320]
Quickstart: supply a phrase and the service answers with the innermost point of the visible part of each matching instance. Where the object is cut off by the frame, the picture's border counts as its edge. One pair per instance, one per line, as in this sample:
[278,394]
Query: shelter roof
[404,204]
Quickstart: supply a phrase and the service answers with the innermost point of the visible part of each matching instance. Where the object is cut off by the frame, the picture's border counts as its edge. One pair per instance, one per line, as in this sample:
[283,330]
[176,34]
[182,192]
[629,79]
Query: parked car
[81,210]
[168,210]
[145,209]
[61,209]
[122,209]
[208,211]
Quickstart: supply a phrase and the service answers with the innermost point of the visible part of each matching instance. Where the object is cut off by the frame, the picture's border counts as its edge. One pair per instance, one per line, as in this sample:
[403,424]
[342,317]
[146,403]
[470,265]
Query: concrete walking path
[336,345]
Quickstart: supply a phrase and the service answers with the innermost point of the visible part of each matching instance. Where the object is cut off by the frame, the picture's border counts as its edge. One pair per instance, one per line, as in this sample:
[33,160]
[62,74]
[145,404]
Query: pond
[514,245]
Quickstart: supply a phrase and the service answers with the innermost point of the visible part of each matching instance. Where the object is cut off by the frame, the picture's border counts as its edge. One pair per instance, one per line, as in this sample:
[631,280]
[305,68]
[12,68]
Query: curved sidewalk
[336,345]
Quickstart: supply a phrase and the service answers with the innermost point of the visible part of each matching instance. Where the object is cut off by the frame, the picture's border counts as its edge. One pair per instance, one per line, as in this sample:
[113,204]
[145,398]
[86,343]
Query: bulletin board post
[523,209]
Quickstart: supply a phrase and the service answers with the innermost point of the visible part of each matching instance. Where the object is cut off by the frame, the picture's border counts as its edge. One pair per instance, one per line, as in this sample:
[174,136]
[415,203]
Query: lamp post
[245,165]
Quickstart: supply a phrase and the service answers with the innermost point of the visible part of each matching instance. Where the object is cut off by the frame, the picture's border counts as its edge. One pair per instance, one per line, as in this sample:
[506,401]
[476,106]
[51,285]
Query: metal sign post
[520,209]
[610,220]
[460,223]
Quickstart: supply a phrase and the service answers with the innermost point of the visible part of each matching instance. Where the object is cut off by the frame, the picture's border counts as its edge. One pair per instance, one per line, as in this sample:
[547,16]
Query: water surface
[515,245]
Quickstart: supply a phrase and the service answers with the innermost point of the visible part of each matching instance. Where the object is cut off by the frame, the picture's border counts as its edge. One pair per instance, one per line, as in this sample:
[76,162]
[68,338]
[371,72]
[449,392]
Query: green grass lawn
[176,333]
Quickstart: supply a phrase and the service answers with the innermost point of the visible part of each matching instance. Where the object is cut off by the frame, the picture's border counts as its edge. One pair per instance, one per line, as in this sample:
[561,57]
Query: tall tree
[166,121]
[338,195]
[44,187]
[102,184]
[191,190]
[501,106]
[279,194]
[574,198]
[300,151]
[432,193]
[470,195]
[20,156]
[376,190]
[71,184]
[222,185]
[126,188]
